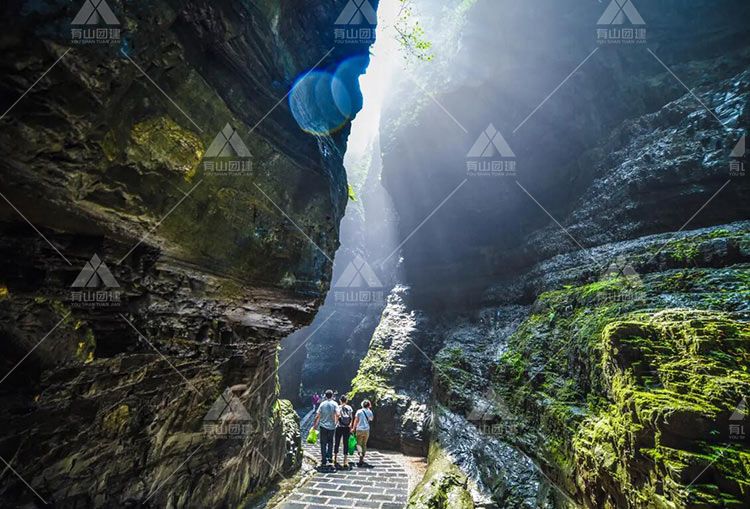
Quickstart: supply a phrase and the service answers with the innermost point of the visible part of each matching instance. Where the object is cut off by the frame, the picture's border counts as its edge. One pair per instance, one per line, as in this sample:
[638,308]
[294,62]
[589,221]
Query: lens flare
[320,102]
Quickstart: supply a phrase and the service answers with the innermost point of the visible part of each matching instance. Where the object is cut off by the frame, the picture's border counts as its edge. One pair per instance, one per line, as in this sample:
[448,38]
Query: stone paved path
[383,486]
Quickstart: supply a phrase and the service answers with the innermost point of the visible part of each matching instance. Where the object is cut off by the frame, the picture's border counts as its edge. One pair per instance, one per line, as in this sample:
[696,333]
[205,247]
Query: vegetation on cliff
[444,485]
[632,397]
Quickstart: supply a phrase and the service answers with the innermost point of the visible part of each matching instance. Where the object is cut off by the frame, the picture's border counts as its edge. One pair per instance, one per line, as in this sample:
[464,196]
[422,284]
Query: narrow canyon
[521,230]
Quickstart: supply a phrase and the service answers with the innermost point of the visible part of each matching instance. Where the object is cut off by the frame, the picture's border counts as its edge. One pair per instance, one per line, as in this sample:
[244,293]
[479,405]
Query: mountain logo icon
[739,149]
[356,12]
[741,412]
[95,274]
[487,407]
[481,412]
[358,274]
[94,12]
[620,10]
[227,144]
[621,268]
[227,408]
[491,143]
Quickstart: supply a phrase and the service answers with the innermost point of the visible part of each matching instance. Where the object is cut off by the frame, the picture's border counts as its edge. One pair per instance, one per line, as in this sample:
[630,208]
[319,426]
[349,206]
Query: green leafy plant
[411,35]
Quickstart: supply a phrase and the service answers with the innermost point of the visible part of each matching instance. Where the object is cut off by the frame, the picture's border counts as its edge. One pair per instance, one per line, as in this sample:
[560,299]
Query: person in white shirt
[328,418]
[361,428]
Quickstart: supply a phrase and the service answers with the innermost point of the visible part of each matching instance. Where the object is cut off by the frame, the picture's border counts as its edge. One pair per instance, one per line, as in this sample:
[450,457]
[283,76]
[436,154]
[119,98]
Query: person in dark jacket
[343,430]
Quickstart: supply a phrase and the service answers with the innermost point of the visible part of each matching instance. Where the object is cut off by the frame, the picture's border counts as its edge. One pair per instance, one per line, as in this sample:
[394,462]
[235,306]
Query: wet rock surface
[579,361]
[106,405]
[392,377]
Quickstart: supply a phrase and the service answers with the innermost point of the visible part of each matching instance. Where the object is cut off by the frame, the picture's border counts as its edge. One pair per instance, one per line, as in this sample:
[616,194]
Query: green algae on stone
[284,413]
[444,485]
[632,400]
[671,402]
[87,345]
[453,378]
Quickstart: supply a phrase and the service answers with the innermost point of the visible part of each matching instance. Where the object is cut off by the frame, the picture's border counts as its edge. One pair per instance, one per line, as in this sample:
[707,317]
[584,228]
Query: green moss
[632,399]
[371,381]
[719,233]
[444,485]
[686,250]
[665,378]
[453,378]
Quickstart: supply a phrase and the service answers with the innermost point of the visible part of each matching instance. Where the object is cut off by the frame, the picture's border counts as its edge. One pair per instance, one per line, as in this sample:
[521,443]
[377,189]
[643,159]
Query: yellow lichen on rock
[117,420]
[162,141]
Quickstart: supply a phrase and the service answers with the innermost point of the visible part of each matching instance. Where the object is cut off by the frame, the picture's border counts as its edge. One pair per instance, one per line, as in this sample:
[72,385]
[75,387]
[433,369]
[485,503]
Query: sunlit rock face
[395,375]
[213,251]
[613,353]
[511,57]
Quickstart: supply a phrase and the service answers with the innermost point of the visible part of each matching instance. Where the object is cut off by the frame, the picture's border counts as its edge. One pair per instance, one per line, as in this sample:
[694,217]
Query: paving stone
[368,503]
[306,490]
[351,488]
[382,485]
[326,485]
[342,502]
[371,489]
[312,499]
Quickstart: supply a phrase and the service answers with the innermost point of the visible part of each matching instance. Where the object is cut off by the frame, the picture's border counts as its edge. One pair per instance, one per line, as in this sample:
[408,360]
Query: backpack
[346,416]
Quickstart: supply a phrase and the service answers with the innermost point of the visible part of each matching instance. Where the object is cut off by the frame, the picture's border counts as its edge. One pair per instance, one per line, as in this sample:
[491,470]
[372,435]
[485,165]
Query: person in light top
[361,429]
[327,416]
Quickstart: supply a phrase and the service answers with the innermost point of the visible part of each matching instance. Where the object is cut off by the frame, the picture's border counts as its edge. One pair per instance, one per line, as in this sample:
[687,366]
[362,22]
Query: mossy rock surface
[631,399]
[444,486]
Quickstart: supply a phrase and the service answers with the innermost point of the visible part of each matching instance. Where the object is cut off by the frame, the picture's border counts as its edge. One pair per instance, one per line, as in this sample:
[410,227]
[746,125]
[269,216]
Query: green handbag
[352,444]
[312,437]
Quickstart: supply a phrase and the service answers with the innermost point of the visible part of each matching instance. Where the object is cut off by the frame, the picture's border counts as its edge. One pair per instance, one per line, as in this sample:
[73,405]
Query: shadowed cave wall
[103,156]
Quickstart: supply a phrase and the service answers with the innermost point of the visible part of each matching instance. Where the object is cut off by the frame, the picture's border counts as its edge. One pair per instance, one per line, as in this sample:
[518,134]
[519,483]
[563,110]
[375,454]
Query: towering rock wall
[599,358]
[210,254]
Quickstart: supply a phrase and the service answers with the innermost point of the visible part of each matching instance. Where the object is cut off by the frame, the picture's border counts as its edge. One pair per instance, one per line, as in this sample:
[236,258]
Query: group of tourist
[337,421]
